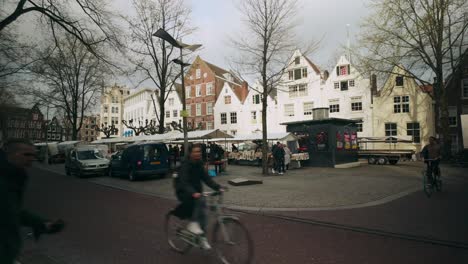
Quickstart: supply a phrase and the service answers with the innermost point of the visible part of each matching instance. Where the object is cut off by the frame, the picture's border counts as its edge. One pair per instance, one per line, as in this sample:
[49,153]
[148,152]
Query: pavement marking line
[422,239]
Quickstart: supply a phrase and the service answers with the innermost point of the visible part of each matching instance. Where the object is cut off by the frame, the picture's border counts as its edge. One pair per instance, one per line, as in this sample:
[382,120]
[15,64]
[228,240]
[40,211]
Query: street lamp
[162,34]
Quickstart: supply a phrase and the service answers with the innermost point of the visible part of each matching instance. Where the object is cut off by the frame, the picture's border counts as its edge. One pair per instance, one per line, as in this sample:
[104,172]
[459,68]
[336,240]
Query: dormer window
[227,99]
[198,73]
[343,70]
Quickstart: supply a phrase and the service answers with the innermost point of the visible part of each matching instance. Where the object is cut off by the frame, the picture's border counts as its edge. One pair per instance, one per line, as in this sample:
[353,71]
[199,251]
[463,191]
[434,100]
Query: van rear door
[155,157]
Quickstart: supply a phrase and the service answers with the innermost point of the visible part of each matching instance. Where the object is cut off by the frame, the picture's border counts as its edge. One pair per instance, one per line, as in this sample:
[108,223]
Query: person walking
[15,157]
[287,156]
[278,154]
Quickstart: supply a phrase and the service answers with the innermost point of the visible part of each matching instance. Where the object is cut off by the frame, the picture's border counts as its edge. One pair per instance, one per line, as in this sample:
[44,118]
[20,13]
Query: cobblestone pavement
[300,189]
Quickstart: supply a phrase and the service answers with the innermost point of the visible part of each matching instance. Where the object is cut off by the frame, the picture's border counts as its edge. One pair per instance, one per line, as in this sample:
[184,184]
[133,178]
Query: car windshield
[89,154]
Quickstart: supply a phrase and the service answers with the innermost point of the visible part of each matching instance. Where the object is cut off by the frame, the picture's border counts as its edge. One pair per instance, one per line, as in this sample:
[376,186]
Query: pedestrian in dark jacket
[278,154]
[14,158]
[189,190]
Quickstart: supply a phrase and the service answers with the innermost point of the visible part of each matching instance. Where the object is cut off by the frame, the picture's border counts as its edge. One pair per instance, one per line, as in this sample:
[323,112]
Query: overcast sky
[216,20]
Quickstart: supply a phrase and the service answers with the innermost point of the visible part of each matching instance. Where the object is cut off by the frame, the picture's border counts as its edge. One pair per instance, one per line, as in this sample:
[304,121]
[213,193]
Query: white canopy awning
[285,136]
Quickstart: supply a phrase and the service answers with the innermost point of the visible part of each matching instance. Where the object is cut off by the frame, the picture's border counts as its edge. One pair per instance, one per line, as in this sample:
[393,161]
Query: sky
[327,21]
[218,20]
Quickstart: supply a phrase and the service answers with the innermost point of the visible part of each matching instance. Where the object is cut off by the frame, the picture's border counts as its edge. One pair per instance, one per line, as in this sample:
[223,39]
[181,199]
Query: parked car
[85,161]
[144,159]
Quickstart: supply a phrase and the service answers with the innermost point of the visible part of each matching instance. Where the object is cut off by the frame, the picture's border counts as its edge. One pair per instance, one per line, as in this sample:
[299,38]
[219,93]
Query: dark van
[139,160]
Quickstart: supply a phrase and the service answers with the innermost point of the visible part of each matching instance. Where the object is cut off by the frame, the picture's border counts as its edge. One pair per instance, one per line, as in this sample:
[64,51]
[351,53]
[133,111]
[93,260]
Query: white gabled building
[228,110]
[300,91]
[173,106]
[111,110]
[348,95]
[138,107]
[252,113]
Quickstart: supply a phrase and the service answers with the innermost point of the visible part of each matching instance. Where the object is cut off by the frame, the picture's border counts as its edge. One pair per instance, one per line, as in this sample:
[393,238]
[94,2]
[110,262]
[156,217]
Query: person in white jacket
[287,156]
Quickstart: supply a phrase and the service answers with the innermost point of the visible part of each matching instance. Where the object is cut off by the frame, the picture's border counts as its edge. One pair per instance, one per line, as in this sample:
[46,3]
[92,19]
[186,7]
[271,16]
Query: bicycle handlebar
[214,193]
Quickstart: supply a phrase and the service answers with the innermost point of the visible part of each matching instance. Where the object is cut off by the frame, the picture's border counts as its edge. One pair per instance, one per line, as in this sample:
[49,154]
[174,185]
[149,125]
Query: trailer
[383,156]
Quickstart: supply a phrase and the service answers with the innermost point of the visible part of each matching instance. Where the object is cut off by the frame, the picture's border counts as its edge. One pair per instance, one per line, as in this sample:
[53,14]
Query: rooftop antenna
[348,44]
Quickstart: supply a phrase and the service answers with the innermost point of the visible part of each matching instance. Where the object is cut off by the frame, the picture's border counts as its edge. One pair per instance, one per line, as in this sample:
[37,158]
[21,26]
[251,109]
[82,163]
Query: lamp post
[162,34]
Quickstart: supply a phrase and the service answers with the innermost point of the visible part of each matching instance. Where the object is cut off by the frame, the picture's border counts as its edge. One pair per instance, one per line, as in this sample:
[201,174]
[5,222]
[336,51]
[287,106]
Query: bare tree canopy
[426,38]
[152,56]
[264,49]
[76,17]
[69,78]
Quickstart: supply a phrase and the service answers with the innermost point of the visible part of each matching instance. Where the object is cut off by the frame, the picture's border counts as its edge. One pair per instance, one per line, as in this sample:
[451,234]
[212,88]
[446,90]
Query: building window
[452,116]
[351,83]
[304,72]
[253,115]
[289,110]
[465,109]
[337,85]
[343,70]
[198,90]
[197,73]
[209,125]
[390,129]
[256,99]
[171,101]
[187,92]
[412,129]
[297,74]
[298,90]
[227,99]
[356,104]
[344,85]
[454,143]
[399,81]
[401,104]
[209,89]
[106,109]
[297,60]
[223,118]
[174,113]
[308,106]
[465,88]
[359,127]
[168,114]
[233,118]
[334,106]
[198,109]
[233,132]
[209,108]
[116,110]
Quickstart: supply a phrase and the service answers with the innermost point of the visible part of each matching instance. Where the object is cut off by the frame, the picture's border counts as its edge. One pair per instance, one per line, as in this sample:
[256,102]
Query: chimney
[326,74]
[373,83]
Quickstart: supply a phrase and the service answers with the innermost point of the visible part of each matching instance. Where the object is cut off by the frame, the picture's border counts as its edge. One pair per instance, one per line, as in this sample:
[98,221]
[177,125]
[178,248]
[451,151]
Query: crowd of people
[279,159]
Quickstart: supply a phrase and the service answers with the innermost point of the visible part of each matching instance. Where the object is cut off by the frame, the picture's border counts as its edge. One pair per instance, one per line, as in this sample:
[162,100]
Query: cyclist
[188,186]
[431,155]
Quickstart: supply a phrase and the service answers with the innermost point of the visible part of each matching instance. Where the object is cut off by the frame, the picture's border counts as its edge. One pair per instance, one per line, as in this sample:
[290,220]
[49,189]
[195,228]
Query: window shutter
[349,69]
[338,71]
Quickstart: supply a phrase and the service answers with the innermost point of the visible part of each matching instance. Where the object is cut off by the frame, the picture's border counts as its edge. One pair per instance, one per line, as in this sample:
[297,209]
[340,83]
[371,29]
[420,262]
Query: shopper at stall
[287,156]
[278,154]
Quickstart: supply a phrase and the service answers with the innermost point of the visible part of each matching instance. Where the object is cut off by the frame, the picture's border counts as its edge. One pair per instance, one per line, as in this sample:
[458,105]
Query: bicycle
[227,232]
[436,183]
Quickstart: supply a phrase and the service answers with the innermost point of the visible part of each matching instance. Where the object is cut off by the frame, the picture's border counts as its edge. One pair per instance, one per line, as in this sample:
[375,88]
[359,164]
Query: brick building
[54,130]
[203,85]
[22,123]
[88,132]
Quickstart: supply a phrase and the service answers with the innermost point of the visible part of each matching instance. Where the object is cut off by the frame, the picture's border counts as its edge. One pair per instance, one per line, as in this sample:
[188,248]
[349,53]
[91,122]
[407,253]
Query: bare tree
[94,25]
[265,49]
[107,130]
[69,78]
[153,56]
[426,38]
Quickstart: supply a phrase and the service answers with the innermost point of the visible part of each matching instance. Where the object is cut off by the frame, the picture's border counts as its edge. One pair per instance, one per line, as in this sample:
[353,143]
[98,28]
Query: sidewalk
[305,189]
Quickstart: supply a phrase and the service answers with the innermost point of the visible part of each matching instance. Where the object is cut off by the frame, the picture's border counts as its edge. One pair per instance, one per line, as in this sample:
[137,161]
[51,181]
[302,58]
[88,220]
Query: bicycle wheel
[438,181]
[232,242]
[174,226]
[426,184]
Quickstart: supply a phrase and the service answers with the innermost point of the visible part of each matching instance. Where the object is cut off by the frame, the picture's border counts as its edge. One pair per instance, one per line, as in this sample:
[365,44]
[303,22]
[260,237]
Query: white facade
[173,108]
[228,111]
[348,95]
[252,114]
[300,90]
[138,106]
[111,111]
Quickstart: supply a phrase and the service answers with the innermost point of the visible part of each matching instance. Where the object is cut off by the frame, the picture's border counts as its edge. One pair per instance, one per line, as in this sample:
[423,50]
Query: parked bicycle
[230,239]
[431,182]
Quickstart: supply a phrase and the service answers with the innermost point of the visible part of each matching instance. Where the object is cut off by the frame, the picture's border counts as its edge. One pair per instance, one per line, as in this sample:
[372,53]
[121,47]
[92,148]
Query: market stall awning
[201,134]
[285,136]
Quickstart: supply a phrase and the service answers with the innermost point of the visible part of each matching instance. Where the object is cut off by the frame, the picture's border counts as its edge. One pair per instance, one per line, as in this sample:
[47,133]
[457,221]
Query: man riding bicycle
[188,186]
[431,155]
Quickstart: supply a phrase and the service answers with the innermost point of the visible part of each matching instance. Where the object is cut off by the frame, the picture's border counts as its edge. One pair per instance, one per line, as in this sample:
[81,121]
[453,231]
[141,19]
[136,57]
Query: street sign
[184,113]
